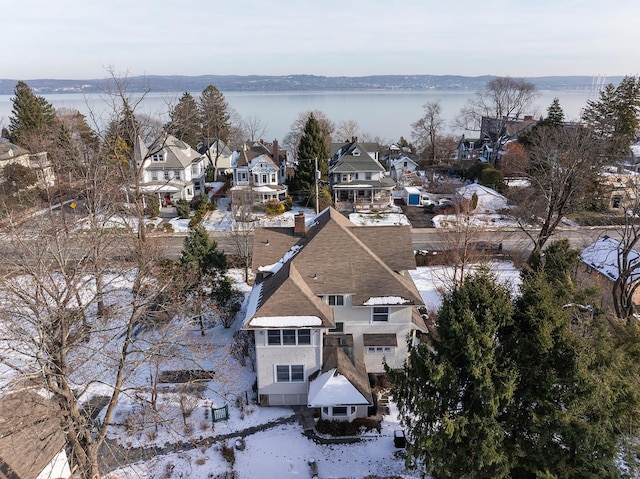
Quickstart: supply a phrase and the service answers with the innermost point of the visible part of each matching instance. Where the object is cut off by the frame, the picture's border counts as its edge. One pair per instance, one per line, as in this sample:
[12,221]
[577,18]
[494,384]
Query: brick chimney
[299,225]
[276,152]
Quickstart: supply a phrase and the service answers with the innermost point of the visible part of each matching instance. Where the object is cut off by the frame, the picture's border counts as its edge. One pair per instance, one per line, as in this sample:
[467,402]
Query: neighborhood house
[331,301]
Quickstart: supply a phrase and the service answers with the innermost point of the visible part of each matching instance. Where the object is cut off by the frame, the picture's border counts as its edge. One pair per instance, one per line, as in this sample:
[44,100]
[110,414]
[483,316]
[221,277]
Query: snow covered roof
[333,388]
[604,256]
[385,300]
[488,199]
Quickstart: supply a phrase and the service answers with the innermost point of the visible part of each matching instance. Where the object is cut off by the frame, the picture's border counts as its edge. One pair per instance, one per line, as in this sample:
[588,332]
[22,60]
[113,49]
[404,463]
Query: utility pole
[317,174]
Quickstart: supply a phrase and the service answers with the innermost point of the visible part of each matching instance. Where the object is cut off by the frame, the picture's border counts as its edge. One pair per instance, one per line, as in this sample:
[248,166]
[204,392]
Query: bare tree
[562,167]
[503,98]
[244,223]
[427,129]
[254,127]
[348,129]
[71,314]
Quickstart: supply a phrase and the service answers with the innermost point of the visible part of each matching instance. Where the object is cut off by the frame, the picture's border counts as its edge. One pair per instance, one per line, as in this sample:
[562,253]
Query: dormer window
[156,157]
[356,152]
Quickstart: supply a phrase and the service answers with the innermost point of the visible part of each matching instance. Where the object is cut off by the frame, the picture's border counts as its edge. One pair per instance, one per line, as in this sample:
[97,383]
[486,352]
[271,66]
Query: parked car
[487,246]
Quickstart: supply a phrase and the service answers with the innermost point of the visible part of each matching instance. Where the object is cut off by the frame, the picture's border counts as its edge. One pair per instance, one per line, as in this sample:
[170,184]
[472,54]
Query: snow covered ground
[277,452]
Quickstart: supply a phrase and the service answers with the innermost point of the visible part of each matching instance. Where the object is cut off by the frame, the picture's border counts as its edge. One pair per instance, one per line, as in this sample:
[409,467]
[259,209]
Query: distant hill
[180,83]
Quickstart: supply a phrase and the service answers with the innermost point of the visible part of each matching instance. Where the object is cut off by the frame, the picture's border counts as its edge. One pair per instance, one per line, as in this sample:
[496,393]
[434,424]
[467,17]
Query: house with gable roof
[11,154]
[357,179]
[218,155]
[171,170]
[259,173]
[322,324]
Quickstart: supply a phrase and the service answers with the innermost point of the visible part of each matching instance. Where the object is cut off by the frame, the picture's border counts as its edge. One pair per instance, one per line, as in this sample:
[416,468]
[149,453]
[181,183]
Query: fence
[220,413]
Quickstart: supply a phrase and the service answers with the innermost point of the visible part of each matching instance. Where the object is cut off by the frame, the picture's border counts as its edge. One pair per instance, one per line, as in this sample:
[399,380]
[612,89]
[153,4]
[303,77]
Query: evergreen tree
[30,113]
[215,121]
[452,392]
[311,146]
[566,416]
[205,268]
[615,116]
[184,123]
[555,114]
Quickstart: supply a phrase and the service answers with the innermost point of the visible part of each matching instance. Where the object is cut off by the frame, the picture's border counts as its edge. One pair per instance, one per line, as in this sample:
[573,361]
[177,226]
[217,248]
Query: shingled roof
[30,434]
[333,257]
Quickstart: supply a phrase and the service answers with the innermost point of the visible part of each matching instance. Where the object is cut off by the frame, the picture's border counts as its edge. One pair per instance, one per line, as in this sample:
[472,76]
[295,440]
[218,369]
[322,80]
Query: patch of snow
[275,267]
[330,388]
[385,300]
[379,219]
[286,321]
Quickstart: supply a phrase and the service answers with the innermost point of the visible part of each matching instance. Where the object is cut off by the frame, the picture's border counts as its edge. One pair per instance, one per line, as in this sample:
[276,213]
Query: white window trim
[379,313]
[297,337]
[290,368]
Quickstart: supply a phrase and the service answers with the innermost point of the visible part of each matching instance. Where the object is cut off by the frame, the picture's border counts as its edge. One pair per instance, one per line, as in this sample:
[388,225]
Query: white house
[358,180]
[402,169]
[259,173]
[11,154]
[330,301]
[171,170]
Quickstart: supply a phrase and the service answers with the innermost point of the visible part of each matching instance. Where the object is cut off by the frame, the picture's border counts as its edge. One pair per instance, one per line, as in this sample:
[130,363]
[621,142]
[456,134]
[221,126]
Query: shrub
[152,207]
[344,428]
[274,207]
[229,454]
[198,201]
[288,203]
[182,208]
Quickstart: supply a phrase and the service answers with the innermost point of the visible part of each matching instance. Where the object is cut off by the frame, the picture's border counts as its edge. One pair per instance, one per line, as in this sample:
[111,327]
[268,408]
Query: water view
[384,115]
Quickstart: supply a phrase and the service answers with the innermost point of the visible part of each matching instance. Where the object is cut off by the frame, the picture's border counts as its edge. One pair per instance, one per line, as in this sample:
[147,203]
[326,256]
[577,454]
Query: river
[383,115]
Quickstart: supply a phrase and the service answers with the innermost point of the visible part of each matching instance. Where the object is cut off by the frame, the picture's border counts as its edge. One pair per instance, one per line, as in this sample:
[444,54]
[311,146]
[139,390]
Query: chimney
[299,226]
[276,152]
[528,118]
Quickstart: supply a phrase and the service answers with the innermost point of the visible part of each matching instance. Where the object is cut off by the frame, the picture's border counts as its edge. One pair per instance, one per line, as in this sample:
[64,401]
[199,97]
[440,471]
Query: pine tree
[215,121]
[183,122]
[205,268]
[452,392]
[29,113]
[310,148]
[615,116]
[555,114]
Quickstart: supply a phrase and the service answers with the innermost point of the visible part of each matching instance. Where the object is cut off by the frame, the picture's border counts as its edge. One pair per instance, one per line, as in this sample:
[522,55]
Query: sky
[84,39]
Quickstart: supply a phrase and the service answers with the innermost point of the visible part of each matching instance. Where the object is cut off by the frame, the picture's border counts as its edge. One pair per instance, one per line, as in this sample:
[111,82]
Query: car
[487,246]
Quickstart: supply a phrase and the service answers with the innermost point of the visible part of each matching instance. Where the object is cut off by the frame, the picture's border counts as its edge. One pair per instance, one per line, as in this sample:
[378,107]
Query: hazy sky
[82,38]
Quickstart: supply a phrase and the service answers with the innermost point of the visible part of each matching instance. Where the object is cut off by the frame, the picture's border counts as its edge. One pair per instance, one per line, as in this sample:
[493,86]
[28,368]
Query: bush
[183,208]
[288,203]
[229,454]
[344,428]
[274,207]
[152,208]
[200,201]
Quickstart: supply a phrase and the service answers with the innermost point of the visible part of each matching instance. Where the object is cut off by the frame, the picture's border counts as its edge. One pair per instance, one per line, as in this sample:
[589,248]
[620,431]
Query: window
[379,349]
[367,175]
[288,337]
[243,176]
[290,373]
[154,176]
[273,337]
[339,411]
[166,175]
[615,201]
[157,157]
[338,329]
[264,178]
[195,170]
[304,336]
[356,176]
[273,177]
[335,300]
[255,178]
[381,313]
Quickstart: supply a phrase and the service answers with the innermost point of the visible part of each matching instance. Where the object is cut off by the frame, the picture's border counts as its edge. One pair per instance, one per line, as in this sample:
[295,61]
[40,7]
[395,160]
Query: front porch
[359,198]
